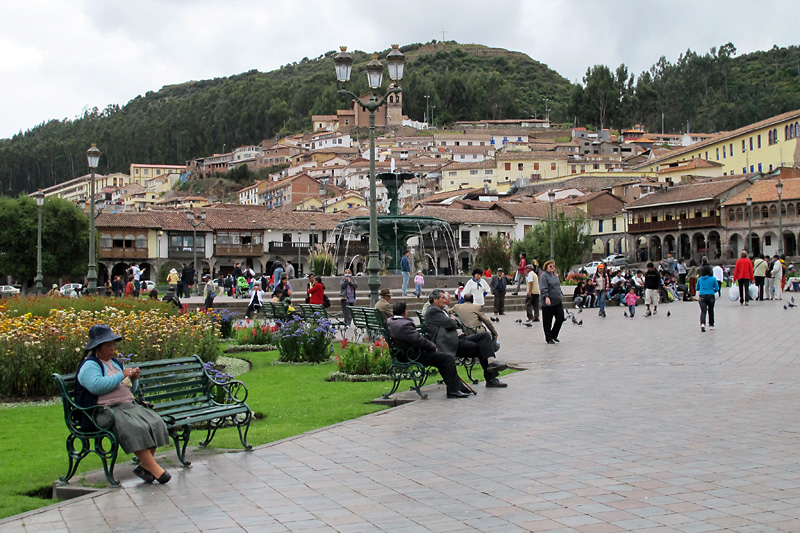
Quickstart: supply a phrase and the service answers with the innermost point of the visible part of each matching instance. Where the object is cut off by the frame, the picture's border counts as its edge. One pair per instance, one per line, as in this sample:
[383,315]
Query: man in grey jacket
[347,295]
[443,331]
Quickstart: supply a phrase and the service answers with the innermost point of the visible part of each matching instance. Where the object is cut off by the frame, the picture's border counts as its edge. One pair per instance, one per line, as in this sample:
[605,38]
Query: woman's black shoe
[165,477]
[146,476]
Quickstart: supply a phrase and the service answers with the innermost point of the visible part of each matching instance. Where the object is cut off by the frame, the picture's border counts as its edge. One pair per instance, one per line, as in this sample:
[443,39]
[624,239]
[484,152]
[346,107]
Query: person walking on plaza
[707,289]
[692,276]
[477,287]
[522,271]
[209,292]
[601,284]
[743,274]
[532,299]
[419,281]
[652,289]
[347,295]
[630,301]
[552,307]
[777,278]
[289,271]
[187,280]
[759,273]
[498,287]
[172,279]
[405,270]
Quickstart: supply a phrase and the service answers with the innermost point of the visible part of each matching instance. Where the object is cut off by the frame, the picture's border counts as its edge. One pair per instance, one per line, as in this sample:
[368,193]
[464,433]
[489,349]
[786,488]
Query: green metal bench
[180,390]
[309,310]
[369,321]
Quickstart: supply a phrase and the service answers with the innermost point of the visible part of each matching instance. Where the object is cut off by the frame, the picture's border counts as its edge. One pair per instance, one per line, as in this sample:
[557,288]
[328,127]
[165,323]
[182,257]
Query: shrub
[308,340]
[33,347]
[224,319]
[40,306]
[363,359]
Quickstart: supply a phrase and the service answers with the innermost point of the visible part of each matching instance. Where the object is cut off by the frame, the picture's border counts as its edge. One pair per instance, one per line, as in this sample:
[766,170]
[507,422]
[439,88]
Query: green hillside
[198,118]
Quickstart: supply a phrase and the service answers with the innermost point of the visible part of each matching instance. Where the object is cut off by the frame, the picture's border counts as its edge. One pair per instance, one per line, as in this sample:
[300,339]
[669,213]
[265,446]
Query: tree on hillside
[65,238]
[601,93]
[571,241]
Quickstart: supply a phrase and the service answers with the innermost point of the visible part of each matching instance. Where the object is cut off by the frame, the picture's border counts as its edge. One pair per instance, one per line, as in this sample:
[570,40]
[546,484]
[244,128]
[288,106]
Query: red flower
[344,343]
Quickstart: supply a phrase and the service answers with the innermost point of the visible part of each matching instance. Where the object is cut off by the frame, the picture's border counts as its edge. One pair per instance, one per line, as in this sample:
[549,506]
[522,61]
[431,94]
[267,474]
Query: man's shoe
[535,320]
[146,476]
[551,341]
[655,311]
[496,383]
[465,389]
[556,339]
[496,366]
[458,394]
[702,328]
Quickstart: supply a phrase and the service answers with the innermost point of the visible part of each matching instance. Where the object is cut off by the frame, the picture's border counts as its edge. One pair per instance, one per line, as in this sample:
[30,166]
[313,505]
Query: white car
[147,286]
[616,260]
[71,290]
[590,268]
[6,291]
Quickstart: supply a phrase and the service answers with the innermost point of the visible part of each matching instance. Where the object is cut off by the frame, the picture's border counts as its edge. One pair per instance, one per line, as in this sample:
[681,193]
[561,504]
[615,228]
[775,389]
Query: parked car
[147,286]
[71,290]
[616,260]
[7,291]
[590,268]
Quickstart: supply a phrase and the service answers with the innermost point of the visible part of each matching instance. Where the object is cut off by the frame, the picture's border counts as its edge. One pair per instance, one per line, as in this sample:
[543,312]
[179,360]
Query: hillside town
[643,194]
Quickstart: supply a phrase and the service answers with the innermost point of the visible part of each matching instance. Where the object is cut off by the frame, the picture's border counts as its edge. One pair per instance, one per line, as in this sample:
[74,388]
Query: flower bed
[33,347]
[364,359]
[304,340]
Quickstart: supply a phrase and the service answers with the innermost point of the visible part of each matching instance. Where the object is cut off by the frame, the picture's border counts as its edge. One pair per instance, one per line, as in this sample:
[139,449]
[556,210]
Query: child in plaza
[419,281]
[630,301]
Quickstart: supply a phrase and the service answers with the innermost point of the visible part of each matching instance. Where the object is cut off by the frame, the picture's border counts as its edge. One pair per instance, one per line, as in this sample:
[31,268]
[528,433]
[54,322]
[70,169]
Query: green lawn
[293,399]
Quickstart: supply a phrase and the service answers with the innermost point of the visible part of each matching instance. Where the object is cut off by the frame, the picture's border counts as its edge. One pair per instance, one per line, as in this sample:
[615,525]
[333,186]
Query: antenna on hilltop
[443,32]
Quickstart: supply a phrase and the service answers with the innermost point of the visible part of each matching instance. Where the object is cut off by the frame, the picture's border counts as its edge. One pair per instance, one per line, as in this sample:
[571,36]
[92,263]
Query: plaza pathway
[626,425]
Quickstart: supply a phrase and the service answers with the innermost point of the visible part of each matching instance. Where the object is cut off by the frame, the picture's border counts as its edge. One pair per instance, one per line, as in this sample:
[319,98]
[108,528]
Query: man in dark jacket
[498,285]
[187,280]
[443,331]
[652,287]
[405,337]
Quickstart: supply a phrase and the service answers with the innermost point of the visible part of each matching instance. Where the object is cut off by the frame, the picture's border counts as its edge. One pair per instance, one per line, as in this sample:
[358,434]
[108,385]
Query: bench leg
[397,375]
[246,425]
[418,376]
[108,457]
[469,365]
[180,436]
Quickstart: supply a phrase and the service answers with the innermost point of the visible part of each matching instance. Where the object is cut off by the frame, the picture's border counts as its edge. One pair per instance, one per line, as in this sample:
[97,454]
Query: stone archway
[789,244]
[735,245]
[641,249]
[713,246]
[656,251]
[669,246]
[698,247]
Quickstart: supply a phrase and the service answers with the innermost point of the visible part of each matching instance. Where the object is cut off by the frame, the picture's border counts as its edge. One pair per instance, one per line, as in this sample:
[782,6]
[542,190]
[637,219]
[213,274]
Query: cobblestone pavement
[644,424]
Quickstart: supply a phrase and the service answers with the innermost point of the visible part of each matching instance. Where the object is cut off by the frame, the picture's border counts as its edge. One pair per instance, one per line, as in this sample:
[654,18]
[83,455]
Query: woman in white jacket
[477,287]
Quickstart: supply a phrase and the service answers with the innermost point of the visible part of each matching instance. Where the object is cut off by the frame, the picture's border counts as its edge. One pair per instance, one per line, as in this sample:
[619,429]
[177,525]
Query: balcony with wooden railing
[239,250]
[123,253]
[710,221]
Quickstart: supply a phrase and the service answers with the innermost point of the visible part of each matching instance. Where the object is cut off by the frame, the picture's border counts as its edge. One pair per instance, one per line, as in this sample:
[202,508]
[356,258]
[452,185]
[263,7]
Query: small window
[536,166]
[519,167]
[739,214]
[508,166]
[731,214]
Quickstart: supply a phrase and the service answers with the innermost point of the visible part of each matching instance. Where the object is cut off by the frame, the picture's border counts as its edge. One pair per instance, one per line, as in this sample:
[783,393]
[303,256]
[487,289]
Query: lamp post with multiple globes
[344,67]
[93,157]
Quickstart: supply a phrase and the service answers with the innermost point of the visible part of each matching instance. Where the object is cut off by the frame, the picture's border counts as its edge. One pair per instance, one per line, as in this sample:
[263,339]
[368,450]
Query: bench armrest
[75,421]
[231,392]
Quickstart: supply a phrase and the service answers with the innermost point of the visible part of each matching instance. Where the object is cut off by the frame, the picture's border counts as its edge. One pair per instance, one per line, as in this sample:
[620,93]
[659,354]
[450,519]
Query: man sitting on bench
[406,337]
[443,331]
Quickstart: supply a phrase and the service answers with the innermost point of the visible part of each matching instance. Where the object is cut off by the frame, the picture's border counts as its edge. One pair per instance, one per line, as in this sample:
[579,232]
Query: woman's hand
[132,373]
[547,300]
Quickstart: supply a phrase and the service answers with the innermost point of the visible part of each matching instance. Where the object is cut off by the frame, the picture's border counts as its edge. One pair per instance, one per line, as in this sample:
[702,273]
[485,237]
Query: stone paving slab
[641,424]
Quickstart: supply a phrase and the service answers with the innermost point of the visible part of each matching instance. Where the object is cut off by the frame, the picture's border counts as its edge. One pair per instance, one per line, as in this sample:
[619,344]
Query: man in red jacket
[522,272]
[743,273]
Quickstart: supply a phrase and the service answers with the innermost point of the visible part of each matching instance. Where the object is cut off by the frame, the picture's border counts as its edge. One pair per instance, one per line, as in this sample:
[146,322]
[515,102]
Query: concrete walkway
[644,424]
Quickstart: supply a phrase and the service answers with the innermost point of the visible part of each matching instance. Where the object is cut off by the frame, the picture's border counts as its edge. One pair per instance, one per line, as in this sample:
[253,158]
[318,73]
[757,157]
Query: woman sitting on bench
[103,380]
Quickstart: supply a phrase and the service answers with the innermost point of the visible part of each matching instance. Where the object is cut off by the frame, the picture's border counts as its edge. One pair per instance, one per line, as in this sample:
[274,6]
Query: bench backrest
[309,310]
[171,383]
[368,318]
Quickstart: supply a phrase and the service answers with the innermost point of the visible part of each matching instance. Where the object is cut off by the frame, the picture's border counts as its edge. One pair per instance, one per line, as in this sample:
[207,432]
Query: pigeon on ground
[518,321]
[626,314]
[792,305]
[786,308]
[528,324]
[669,314]
[580,310]
[792,299]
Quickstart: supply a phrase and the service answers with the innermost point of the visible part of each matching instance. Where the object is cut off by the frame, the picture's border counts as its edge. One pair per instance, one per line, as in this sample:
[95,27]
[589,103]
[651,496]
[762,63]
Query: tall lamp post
[192,218]
[552,196]
[299,249]
[680,241]
[344,67]
[93,157]
[39,197]
[427,102]
[779,187]
[311,238]
[749,223]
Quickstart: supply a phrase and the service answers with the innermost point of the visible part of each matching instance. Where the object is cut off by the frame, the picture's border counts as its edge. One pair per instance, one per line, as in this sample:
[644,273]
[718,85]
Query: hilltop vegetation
[711,92]
[198,118]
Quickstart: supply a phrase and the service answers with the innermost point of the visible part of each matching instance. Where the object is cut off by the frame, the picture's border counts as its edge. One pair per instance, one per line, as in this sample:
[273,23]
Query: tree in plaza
[493,252]
[571,241]
[65,238]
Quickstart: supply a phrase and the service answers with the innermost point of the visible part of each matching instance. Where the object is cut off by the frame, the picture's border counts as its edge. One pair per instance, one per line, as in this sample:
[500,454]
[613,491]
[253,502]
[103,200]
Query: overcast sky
[57,57]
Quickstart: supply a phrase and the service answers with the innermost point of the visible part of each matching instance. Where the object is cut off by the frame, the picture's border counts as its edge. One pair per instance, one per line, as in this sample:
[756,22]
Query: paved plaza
[626,425]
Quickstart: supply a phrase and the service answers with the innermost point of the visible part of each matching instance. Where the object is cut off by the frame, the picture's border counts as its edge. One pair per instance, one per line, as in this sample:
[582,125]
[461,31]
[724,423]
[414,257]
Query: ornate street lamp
[779,187]
[344,67]
[93,157]
[749,223]
[39,197]
[680,241]
[192,219]
[552,196]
